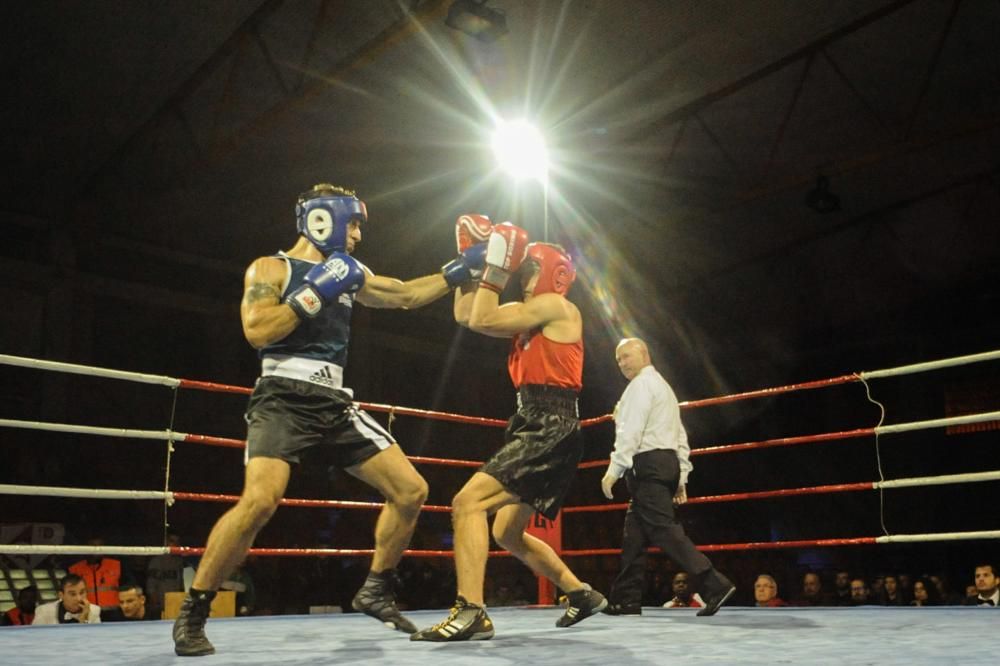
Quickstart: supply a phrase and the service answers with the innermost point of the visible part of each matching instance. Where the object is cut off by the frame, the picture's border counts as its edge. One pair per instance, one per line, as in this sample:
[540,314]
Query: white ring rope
[940,536]
[931,365]
[23,549]
[75,369]
[85,493]
[93,430]
[937,423]
[171,434]
[39,364]
[107,493]
[971,477]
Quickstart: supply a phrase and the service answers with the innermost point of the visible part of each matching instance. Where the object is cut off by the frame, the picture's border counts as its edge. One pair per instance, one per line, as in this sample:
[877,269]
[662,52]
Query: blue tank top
[322,338]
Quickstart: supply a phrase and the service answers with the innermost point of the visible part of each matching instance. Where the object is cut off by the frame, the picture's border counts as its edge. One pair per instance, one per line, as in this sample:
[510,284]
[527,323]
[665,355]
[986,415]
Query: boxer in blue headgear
[324,214]
[296,311]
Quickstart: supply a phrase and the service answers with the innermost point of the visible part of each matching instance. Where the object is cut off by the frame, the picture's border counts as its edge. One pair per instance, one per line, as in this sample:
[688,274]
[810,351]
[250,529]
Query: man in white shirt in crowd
[651,452]
[987,587]
[73,607]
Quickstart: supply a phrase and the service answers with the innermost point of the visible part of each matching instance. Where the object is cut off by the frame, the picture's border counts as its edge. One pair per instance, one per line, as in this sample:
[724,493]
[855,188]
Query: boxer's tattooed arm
[261,291]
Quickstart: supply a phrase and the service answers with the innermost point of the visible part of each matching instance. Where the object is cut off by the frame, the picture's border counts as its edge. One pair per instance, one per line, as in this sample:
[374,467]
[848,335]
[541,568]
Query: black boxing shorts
[542,448]
[288,418]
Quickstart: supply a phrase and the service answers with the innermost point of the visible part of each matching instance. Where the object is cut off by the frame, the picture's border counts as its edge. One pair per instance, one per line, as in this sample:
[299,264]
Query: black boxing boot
[377,599]
[189,627]
[582,604]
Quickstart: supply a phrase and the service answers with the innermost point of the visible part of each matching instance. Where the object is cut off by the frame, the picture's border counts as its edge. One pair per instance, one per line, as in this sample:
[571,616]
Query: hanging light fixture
[474,18]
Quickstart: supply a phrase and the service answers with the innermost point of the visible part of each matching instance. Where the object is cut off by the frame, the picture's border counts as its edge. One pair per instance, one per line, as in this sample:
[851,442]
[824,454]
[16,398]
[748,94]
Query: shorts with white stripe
[297,421]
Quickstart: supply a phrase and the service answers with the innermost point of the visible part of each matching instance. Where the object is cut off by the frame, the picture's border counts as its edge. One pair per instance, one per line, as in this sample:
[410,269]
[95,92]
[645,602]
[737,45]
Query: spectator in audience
[842,589]
[875,589]
[905,588]
[944,588]
[925,593]
[812,591]
[507,595]
[859,592]
[655,584]
[683,598]
[24,611]
[987,590]
[102,575]
[241,582]
[131,606]
[73,606]
[890,592]
[765,592]
[165,573]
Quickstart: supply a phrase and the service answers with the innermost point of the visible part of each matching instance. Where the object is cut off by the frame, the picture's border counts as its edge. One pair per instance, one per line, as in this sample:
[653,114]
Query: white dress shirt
[995,598]
[648,418]
[49,614]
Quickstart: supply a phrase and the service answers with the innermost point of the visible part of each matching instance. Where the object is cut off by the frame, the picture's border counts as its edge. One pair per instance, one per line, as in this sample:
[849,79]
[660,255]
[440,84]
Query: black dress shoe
[623,609]
[717,591]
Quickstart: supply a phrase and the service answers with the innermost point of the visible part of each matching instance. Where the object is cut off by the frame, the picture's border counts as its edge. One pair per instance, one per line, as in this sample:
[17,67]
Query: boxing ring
[527,636]
[863,635]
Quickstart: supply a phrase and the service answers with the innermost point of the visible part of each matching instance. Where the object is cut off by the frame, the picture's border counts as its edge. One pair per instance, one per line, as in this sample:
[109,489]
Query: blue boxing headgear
[323,218]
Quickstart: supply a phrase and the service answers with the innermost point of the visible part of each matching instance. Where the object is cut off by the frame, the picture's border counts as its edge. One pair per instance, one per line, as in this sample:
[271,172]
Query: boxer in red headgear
[553,266]
[542,443]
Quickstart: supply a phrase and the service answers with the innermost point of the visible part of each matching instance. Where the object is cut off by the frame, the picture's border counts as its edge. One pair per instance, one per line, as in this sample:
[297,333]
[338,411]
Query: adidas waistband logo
[323,376]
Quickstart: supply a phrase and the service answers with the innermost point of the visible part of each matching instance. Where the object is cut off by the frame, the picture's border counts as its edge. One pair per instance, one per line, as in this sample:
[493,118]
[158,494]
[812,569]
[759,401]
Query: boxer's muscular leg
[264,486]
[478,498]
[405,491]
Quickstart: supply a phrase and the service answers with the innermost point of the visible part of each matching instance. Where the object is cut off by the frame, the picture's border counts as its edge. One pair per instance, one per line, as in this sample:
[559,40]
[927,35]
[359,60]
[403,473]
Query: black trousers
[650,521]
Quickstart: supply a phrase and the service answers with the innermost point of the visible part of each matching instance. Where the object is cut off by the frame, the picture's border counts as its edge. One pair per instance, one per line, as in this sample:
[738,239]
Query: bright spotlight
[521,151]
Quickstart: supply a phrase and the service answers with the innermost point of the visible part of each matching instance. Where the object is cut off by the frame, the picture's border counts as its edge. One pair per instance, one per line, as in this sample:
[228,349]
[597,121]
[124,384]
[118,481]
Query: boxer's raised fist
[506,250]
[471,229]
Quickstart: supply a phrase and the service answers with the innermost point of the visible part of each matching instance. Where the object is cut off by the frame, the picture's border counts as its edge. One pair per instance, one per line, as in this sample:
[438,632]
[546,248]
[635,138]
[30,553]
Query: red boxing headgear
[555,268]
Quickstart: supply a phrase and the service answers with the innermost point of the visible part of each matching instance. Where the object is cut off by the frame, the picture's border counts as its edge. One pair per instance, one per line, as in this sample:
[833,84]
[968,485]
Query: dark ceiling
[159,148]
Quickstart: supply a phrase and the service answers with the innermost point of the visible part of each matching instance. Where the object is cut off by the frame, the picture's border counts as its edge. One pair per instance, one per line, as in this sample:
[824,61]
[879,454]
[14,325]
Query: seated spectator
[925,593]
[683,598]
[905,588]
[165,573]
[73,606]
[944,588]
[812,591]
[890,595]
[24,612]
[876,587]
[765,592]
[241,582]
[505,595]
[102,575]
[842,589]
[859,592]
[987,587]
[131,606]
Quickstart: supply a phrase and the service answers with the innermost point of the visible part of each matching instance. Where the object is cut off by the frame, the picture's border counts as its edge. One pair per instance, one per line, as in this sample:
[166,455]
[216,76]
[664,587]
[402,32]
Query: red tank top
[534,359]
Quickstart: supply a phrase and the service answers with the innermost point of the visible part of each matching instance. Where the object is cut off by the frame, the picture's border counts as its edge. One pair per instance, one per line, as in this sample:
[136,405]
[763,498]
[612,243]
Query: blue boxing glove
[466,266]
[324,283]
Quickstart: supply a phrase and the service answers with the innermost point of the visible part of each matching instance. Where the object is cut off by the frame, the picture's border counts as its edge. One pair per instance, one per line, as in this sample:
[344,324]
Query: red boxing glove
[471,229]
[506,250]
